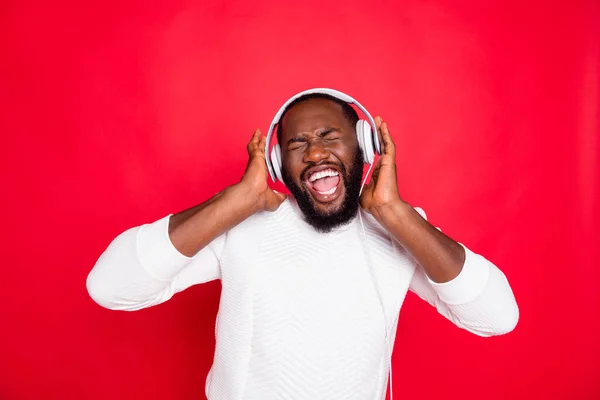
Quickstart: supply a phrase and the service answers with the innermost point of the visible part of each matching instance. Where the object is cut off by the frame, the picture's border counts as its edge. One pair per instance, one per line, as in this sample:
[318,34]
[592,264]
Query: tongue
[325,184]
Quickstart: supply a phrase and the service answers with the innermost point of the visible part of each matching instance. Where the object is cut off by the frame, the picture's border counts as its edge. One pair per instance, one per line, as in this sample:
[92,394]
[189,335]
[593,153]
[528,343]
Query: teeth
[330,191]
[322,174]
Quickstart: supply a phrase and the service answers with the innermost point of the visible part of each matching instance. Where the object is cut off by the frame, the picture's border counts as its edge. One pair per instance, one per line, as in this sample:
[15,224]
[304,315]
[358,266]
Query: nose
[316,152]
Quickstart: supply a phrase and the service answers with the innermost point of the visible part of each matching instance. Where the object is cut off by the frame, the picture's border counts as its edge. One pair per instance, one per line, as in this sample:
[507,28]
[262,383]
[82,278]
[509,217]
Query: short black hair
[349,112]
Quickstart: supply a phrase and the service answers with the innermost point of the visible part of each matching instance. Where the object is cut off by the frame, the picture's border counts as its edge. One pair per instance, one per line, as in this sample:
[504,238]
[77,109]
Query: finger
[389,147]
[262,143]
[255,136]
[258,148]
[378,122]
[379,135]
[253,141]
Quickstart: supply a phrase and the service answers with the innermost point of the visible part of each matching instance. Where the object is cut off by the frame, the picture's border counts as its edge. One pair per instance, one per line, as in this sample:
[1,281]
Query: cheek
[347,148]
[345,154]
[292,164]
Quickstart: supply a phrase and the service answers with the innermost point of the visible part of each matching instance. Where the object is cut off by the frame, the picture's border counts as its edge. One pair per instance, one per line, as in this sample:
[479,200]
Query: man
[312,284]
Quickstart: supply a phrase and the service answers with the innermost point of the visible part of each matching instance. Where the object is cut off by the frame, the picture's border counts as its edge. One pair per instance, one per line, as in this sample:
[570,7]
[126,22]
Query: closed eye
[327,132]
[296,143]
[327,135]
[330,134]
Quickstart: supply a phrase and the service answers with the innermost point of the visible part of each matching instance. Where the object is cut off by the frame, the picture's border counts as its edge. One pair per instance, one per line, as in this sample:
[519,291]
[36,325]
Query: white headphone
[366,132]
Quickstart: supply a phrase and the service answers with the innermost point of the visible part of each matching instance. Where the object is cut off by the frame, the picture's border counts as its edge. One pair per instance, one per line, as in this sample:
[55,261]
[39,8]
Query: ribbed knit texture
[301,313]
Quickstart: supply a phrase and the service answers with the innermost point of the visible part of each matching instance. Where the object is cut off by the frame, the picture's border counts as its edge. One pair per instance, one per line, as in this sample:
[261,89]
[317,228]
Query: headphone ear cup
[276,161]
[365,140]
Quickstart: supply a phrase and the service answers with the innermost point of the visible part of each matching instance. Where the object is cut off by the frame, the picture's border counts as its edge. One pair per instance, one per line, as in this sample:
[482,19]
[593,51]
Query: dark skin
[316,131]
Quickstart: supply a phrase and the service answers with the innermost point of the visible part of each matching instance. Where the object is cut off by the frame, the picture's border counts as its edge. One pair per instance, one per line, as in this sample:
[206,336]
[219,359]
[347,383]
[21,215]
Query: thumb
[274,200]
[366,192]
[369,185]
[281,196]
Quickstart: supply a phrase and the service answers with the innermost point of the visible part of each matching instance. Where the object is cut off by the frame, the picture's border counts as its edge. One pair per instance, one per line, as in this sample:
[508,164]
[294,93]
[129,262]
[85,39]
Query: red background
[117,113]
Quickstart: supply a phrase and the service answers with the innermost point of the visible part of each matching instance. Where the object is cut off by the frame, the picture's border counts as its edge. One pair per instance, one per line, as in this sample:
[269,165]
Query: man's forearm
[193,229]
[441,257]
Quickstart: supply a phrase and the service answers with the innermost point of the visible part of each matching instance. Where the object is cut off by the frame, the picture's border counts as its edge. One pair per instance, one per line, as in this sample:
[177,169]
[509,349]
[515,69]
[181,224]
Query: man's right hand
[193,229]
[255,177]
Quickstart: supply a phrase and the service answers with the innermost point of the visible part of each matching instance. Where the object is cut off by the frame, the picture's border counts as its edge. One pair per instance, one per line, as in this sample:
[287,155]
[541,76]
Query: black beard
[326,222]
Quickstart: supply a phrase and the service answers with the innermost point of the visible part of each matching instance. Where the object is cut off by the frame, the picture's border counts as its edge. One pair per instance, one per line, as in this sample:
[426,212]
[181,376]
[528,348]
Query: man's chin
[325,215]
[328,207]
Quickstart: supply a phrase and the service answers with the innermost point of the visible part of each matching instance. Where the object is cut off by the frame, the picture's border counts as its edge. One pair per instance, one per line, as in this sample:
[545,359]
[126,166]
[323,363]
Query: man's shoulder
[250,232]
[262,219]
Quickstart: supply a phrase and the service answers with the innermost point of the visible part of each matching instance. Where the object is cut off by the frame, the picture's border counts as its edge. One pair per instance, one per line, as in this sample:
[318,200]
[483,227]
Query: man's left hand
[382,191]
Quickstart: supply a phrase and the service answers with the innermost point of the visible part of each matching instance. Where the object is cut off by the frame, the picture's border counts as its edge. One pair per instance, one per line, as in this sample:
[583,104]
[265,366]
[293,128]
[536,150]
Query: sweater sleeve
[479,299]
[141,268]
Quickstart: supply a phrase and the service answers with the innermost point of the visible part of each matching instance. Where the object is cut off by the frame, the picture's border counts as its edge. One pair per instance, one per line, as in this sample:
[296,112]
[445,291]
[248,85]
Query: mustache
[319,164]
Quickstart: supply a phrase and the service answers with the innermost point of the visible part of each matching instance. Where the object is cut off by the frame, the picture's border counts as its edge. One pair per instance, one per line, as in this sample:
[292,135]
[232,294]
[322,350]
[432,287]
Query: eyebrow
[323,133]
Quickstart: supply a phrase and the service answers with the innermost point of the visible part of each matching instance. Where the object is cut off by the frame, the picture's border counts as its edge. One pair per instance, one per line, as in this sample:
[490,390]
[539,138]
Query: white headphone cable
[388,345]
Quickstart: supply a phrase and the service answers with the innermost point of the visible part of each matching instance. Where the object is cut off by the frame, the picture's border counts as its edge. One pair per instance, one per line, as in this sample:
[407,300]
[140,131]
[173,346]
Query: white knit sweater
[301,313]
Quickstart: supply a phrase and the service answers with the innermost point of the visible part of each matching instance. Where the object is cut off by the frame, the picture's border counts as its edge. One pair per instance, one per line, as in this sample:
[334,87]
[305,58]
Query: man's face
[322,164]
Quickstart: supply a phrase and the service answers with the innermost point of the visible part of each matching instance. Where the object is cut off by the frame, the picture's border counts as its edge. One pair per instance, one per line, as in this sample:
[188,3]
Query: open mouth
[324,184]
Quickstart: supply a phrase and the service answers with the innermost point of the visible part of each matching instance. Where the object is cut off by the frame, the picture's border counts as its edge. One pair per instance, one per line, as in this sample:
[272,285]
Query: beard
[325,222]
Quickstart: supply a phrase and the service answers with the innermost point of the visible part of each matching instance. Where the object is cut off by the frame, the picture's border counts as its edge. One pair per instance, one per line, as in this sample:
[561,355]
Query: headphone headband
[331,92]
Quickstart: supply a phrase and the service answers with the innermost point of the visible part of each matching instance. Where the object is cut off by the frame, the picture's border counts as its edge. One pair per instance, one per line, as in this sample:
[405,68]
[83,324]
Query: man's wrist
[392,213]
[245,198]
